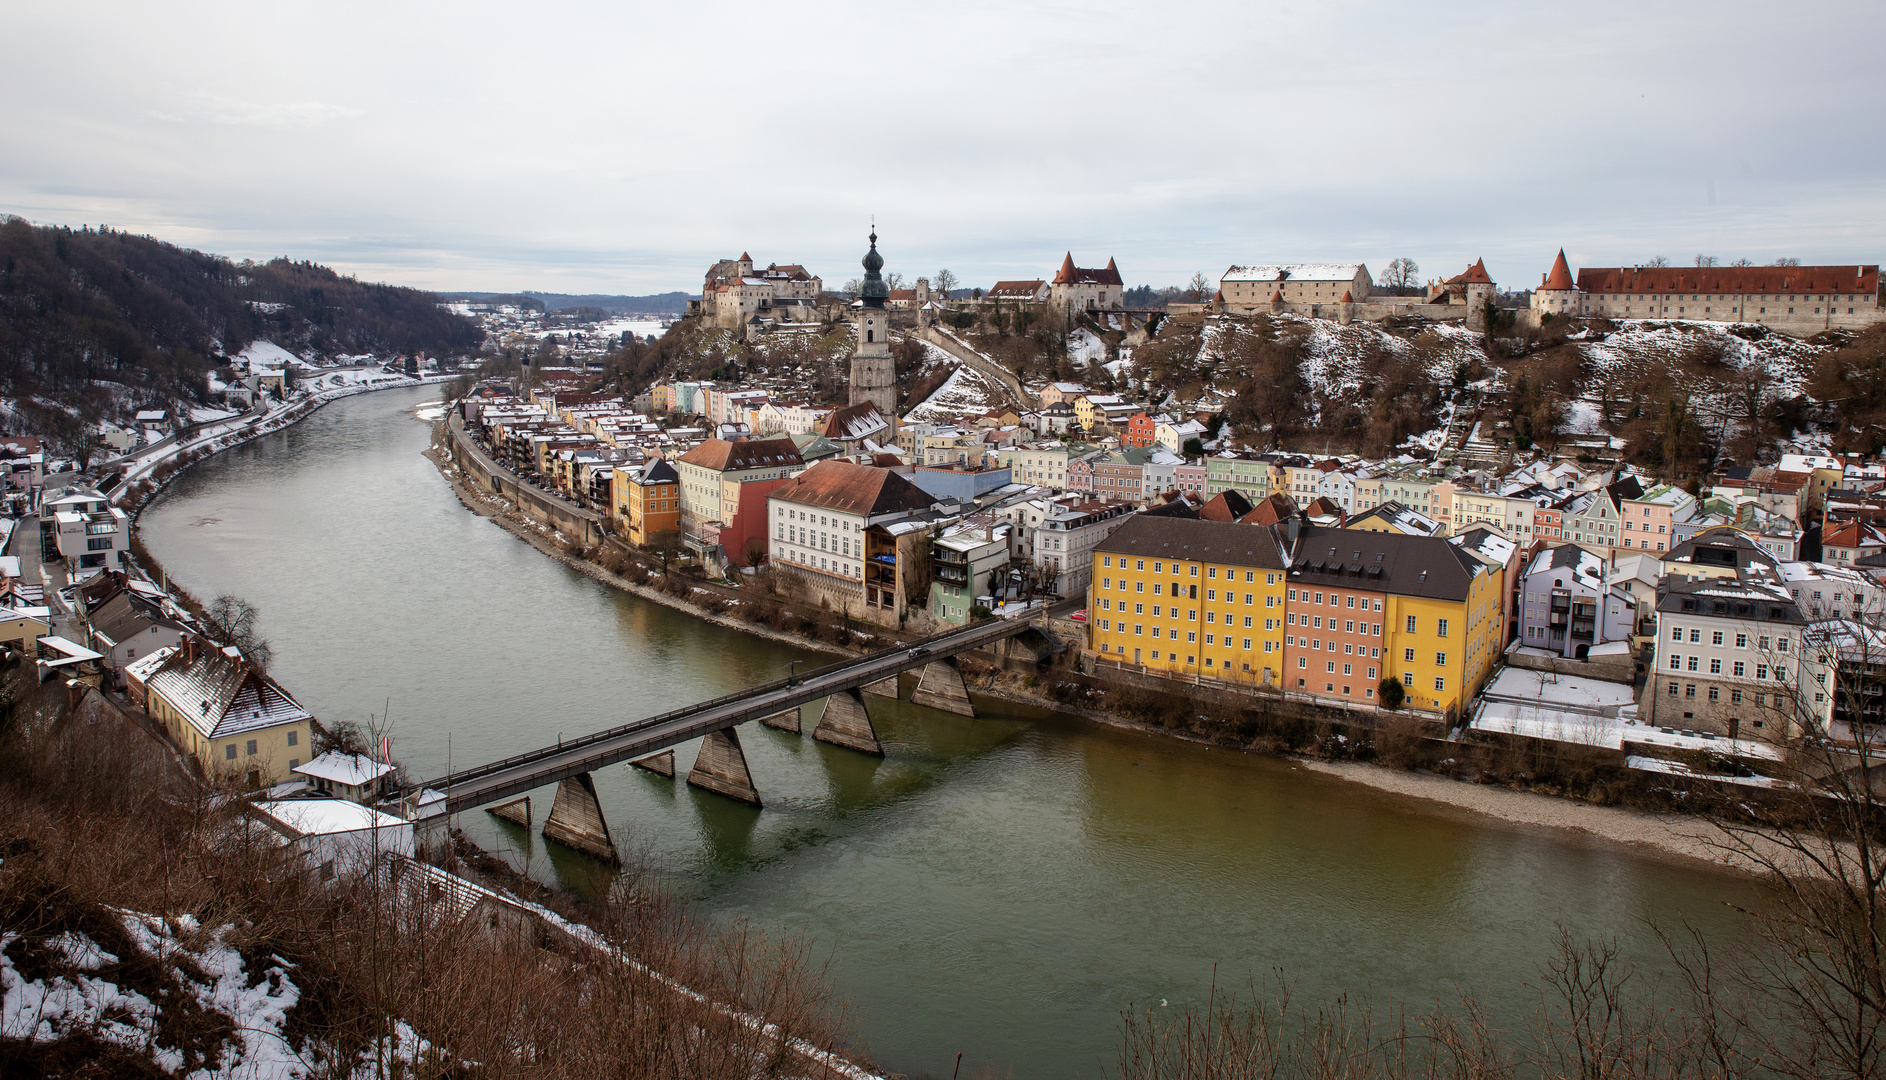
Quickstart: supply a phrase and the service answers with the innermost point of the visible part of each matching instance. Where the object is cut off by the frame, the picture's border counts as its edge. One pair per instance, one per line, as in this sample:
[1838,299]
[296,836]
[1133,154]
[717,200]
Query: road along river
[1003,886]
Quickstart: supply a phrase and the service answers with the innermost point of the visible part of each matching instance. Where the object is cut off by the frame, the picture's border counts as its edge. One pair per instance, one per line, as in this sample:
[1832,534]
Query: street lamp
[790,664]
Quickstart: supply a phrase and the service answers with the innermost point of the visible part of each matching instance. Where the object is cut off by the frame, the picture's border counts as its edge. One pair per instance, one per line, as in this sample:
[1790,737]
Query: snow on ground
[1085,348]
[349,378]
[1639,347]
[211,416]
[1334,355]
[1583,418]
[966,392]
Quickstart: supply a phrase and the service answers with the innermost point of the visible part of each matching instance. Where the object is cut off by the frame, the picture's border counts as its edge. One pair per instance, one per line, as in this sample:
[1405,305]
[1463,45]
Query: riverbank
[1672,835]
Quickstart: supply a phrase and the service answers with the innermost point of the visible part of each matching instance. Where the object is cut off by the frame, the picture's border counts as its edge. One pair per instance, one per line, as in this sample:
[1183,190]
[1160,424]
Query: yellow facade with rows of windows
[1442,650]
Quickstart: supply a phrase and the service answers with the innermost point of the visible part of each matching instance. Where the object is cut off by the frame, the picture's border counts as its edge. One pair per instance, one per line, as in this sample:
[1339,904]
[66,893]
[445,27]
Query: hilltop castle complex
[1794,299]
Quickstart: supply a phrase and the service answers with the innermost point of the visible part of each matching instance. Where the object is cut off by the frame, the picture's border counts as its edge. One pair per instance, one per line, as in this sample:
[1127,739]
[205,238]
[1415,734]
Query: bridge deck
[516,775]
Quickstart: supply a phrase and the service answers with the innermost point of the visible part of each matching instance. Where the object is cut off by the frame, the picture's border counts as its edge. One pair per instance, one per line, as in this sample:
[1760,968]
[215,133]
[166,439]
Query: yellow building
[648,501]
[1190,597]
[239,725]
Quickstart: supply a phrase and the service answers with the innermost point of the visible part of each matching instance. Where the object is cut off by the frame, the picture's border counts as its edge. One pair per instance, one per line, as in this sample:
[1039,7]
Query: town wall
[538,506]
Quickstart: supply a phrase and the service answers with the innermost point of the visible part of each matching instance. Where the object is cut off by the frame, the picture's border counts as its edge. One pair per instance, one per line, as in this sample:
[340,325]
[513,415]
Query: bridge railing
[478,772]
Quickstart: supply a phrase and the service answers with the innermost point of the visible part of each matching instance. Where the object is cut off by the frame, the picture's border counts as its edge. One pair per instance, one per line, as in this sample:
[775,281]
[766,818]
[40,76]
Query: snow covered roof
[350,769]
[1335,272]
[297,818]
[219,694]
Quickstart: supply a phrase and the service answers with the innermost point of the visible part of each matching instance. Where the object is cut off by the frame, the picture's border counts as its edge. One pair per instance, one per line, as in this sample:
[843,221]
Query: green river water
[1003,886]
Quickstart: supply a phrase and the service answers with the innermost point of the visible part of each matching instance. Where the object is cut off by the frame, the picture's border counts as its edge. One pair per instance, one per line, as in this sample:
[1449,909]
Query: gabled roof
[854,422]
[723,456]
[1004,290]
[220,695]
[350,769]
[1228,505]
[1560,279]
[1475,274]
[658,472]
[1270,510]
[854,489]
[125,615]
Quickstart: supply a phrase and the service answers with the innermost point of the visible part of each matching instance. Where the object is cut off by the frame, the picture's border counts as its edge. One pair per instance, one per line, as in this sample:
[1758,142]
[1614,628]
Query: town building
[831,525]
[81,526]
[648,501]
[1063,543]
[1731,661]
[355,777]
[1190,597]
[712,479]
[1256,287]
[1799,300]
[969,563]
[127,624]
[235,722]
[1567,606]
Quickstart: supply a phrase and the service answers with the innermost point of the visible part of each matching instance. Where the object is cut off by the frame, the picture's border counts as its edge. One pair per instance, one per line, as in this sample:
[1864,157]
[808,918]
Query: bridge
[576,818]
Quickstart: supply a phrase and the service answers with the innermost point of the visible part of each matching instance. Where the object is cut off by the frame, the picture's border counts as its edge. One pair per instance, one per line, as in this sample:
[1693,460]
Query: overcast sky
[617,147]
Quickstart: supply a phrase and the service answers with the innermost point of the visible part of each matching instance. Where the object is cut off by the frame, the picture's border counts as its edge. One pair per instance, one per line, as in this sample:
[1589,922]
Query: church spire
[874,292]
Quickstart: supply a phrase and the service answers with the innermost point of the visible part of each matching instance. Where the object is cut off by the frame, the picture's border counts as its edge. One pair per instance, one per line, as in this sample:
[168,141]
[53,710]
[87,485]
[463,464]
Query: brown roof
[1229,505]
[902,294]
[1730,279]
[856,489]
[1069,274]
[723,456]
[1346,298]
[1270,511]
[854,422]
[1561,276]
[1475,274]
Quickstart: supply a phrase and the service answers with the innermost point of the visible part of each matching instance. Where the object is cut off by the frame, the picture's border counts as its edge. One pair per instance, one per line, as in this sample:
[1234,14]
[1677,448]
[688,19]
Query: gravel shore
[1664,834]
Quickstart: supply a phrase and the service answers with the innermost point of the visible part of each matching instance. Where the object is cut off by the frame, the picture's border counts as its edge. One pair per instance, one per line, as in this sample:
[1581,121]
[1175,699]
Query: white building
[82,527]
[341,838]
[1566,606]
[1730,661]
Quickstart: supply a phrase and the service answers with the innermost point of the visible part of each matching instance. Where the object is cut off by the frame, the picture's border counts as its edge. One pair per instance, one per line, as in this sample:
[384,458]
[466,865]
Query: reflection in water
[1002,886]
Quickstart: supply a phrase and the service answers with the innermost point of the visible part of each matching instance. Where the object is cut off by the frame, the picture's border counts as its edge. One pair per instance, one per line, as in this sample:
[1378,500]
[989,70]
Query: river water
[1003,886]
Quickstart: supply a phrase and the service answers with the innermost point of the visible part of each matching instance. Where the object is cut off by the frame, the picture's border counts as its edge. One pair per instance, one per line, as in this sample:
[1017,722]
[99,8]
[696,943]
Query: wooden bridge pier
[845,722]
[576,820]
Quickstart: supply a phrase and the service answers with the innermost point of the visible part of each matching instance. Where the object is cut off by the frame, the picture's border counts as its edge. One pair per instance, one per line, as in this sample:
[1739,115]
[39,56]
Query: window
[1696,637]
[1407,678]
[1411,627]
[1408,655]
[1689,690]
[1735,697]
[1303,661]
[1740,670]
[1761,671]
[1440,659]
[292,736]
[1676,663]
[1741,641]
[1716,638]
[1332,667]
[1673,688]
[1440,683]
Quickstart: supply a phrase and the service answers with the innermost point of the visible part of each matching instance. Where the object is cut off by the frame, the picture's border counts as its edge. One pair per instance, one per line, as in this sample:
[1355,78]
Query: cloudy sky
[615,147]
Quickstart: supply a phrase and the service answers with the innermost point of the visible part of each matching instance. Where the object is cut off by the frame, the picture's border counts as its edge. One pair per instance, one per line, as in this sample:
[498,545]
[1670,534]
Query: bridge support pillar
[662,764]
[576,820]
[785,721]
[942,687]
[845,722]
[721,768]
[516,811]
[883,688]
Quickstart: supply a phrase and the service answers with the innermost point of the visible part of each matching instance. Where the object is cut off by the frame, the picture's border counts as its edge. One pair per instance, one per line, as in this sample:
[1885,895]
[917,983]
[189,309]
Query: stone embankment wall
[578,526]
[980,364]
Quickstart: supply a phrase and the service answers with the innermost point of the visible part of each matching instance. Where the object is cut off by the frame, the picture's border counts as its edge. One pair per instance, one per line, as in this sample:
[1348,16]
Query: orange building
[648,501]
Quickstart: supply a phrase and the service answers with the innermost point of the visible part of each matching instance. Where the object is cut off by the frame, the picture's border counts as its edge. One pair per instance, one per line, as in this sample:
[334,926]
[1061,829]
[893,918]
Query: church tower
[873,374]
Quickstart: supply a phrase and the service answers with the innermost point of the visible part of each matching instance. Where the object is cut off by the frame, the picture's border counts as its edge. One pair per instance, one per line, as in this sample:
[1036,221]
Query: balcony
[952,575]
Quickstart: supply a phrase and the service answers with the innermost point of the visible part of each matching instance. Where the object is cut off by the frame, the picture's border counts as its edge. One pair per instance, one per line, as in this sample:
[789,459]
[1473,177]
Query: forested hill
[84,306]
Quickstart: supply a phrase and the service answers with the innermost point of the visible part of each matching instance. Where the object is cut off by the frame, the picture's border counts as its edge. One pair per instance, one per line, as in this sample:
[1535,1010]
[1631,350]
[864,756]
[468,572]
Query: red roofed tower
[1557,293]
[1066,275]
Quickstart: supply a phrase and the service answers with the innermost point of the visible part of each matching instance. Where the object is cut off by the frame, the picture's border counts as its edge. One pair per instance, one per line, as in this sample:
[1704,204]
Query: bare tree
[666,544]
[1787,262]
[894,280]
[945,283]
[1744,261]
[852,288]
[1401,277]
[1705,260]
[1199,288]
[231,620]
[1657,260]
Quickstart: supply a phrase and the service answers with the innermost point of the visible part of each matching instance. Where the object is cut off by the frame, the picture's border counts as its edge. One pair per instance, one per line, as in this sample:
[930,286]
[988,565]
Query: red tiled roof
[1005,289]
[1226,506]
[1561,276]
[1270,511]
[1730,279]
[1475,274]
[1069,274]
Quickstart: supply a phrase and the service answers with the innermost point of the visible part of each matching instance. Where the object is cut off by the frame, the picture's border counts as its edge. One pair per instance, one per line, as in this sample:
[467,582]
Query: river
[1003,886]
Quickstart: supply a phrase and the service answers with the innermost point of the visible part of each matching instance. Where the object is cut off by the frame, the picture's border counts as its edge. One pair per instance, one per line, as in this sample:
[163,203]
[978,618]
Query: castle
[734,293]
[1800,300]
